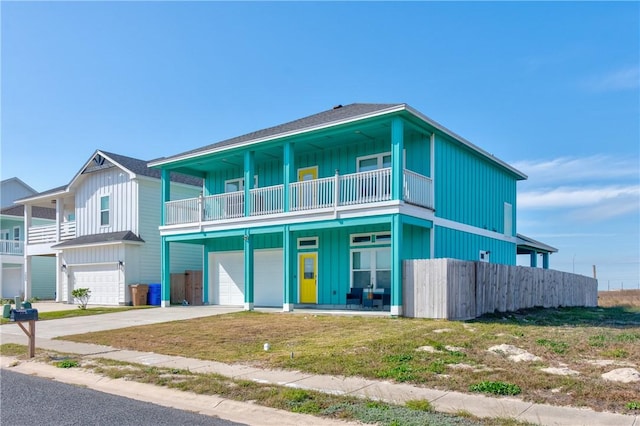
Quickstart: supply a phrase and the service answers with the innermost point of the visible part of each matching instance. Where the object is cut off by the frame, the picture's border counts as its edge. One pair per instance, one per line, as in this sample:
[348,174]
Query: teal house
[321,211]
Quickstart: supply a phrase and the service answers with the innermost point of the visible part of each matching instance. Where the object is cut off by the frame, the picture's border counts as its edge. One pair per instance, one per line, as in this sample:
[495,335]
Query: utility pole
[594,272]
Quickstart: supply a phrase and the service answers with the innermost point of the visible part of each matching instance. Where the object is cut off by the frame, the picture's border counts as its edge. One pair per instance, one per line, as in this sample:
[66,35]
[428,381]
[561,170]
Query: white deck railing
[339,190]
[47,233]
[312,194]
[267,200]
[11,247]
[418,189]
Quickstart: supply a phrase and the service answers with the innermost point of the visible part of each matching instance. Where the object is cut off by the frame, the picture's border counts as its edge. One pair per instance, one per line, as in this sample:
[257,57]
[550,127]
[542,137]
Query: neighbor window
[104,210]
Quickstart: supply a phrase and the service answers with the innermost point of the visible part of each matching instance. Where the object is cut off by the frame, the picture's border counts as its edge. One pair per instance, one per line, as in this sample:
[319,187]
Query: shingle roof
[139,167]
[38,212]
[122,236]
[339,113]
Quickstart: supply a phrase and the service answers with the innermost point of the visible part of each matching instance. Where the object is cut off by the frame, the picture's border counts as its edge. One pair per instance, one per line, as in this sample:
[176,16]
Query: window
[374,162]
[234,185]
[508,219]
[308,243]
[104,210]
[16,236]
[371,268]
[371,238]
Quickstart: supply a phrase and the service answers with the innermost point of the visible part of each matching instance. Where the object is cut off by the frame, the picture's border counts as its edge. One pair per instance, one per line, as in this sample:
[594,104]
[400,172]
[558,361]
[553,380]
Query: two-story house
[105,235]
[12,235]
[307,212]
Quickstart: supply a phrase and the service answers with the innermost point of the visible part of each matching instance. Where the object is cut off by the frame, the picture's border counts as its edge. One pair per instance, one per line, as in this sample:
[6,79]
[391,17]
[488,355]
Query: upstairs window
[104,210]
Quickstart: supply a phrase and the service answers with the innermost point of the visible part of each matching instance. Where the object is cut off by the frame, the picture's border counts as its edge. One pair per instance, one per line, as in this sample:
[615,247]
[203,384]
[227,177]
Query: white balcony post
[27,224]
[59,214]
[200,207]
[336,191]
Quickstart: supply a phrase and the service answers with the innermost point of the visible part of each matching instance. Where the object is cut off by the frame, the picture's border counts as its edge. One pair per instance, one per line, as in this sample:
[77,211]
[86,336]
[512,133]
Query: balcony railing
[47,233]
[340,190]
[11,247]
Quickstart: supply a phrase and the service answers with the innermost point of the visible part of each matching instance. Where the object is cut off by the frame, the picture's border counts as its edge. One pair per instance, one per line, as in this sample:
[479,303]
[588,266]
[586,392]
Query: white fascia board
[79,173]
[101,244]
[465,142]
[45,197]
[212,150]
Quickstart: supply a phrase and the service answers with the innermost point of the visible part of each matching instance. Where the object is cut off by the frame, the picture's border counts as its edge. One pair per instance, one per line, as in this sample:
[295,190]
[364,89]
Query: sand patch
[514,353]
[623,375]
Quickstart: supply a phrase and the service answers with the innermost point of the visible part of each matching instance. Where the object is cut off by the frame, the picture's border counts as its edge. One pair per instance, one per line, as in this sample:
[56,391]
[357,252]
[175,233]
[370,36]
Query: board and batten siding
[123,209]
[183,256]
[471,190]
[455,244]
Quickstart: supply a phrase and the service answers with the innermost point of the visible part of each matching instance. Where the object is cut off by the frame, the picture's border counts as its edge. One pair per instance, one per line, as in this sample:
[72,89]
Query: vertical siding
[451,243]
[122,196]
[469,189]
[415,243]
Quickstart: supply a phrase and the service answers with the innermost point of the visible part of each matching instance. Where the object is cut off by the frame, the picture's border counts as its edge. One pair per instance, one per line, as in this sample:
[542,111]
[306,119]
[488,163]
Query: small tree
[82,295]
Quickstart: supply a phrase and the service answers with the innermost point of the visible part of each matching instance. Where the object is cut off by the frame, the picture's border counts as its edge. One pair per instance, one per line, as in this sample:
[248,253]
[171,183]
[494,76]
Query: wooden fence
[456,289]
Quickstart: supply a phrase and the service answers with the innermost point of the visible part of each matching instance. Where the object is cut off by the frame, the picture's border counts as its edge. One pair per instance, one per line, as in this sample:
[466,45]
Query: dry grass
[619,298]
[386,348]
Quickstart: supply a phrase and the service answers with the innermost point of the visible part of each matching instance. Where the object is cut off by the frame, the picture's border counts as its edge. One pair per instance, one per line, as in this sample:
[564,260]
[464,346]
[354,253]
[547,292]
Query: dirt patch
[623,375]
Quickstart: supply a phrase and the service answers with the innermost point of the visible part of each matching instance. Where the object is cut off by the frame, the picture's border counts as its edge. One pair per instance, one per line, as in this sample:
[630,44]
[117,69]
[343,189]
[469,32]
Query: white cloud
[572,169]
[627,78]
[562,197]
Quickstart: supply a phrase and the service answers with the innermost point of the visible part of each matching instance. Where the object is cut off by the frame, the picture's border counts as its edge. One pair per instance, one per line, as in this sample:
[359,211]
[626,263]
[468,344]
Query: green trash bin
[6,311]
[26,305]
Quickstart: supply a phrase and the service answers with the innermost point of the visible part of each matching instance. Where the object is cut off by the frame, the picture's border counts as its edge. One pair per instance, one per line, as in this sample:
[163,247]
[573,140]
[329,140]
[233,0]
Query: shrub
[82,295]
[496,388]
[419,405]
[633,405]
[67,363]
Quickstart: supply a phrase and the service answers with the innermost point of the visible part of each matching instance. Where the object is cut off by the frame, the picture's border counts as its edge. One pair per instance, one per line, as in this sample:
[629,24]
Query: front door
[308,275]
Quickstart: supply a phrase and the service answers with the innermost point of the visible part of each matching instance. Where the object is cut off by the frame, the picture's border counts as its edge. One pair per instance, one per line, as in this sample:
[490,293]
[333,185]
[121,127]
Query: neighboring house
[304,212]
[12,244]
[105,235]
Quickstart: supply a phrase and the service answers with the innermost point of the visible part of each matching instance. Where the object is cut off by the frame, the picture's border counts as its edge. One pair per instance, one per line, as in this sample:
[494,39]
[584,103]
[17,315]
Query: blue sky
[551,88]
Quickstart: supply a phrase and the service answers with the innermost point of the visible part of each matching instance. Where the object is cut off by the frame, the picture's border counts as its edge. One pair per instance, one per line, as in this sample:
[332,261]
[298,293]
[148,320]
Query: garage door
[227,278]
[102,280]
[11,282]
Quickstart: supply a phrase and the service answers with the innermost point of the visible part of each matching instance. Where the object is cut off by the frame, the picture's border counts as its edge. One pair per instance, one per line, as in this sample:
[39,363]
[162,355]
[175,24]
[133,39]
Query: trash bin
[26,305]
[139,294]
[154,296]
[6,311]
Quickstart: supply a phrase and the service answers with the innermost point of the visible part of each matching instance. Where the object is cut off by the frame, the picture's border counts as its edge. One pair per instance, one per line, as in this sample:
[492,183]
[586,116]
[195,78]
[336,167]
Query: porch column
[59,277]
[27,225]
[27,278]
[289,170]
[248,182]
[166,194]
[545,260]
[248,271]
[165,273]
[534,259]
[396,265]
[397,147]
[289,267]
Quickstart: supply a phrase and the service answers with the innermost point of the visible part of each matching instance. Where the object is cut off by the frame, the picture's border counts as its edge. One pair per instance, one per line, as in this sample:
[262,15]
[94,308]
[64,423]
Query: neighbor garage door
[102,280]
[227,278]
[11,282]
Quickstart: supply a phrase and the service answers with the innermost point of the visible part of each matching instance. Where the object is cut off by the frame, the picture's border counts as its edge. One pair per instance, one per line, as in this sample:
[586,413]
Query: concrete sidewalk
[450,402]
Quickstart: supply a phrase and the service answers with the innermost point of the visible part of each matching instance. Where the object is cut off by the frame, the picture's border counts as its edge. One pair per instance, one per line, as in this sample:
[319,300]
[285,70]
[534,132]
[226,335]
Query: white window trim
[309,247]
[108,210]
[508,219]
[380,157]
[372,239]
[240,182]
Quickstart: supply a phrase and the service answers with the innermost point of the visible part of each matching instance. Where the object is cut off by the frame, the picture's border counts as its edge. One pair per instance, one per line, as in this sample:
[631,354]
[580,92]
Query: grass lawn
[451,355]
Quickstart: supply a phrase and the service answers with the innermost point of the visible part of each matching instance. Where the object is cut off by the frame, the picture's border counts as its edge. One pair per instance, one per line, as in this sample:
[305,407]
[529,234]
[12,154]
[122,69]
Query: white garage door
[227,278]
[11,282]
[102,280]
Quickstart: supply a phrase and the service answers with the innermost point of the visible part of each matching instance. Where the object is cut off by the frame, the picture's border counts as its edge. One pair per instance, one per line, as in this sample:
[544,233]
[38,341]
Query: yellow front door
[307,191]
[308,277]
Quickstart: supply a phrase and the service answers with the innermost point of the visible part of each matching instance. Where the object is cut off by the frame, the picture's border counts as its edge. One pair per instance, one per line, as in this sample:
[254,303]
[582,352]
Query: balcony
[47,233]
[11,247]
[336,191]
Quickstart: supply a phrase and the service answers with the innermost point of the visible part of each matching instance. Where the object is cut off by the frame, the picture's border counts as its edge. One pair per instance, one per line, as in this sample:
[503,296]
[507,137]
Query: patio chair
[354,297]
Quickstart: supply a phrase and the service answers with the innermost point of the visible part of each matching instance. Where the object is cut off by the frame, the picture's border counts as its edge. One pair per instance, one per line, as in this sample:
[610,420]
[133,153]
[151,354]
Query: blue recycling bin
[154,296]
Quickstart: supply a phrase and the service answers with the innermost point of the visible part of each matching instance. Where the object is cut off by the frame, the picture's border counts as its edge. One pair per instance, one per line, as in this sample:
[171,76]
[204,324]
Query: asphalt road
[28,400]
